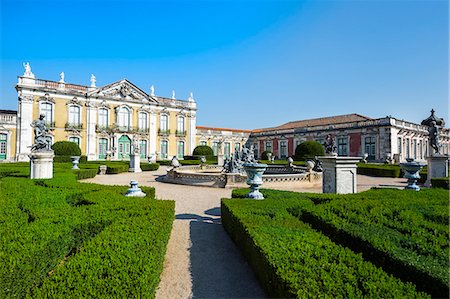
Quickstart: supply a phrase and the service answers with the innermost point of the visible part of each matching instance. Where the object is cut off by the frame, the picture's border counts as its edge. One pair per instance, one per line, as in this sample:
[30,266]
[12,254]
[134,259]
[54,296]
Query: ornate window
[237,146]
[74,115]
[143,148]
[3,146]
[103,118]
[164,123]
[215,147]
[124,118]
[47,109]
[143,123]
[255,149]
[227,149]
[342,146]
[180,125]
[268,146]
[164,149]
[399,145]
[370,147]
[75,139]
[283,149]
[407,147]
[180,149]
[102,148]
[203,142]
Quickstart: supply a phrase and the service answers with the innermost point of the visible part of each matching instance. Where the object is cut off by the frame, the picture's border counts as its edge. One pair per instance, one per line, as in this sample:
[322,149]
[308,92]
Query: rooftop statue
[41,142]
[61,77]
[93,80]
[434,124]
[27,72]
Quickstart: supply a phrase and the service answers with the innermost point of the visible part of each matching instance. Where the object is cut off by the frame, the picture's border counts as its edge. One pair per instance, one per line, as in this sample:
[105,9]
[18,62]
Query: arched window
[180,124]
[124,118]
[143,124]
[164,149]
[103,118]
[164,123]
[74,115]
[180,151]
[47,110]
[143,148]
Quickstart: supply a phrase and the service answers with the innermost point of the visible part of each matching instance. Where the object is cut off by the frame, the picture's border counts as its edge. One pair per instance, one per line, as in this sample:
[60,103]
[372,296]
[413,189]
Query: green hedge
[64,239]
[203,150]
[115,169]
[440,183]
[149,166]
[308,150]
[405,232]
[86,173]
[291,260]
[379,170]
[66,148]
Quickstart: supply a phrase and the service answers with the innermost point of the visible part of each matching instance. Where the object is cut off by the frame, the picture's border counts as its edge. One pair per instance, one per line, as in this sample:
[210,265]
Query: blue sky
[250,64]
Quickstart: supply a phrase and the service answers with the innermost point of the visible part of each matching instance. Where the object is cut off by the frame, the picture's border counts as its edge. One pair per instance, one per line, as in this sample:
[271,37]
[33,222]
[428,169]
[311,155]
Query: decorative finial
[93,80]
[61,77]
[152,91]
[27,72]
[173,94]
[432,111]
[191,97]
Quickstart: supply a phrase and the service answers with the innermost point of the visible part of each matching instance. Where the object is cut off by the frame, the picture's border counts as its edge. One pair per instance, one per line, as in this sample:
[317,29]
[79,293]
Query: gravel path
[201,260]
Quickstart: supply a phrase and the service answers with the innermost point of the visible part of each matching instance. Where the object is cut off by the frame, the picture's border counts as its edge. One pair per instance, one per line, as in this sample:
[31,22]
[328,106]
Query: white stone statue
[61,77]
[152,91]
[173,94]
[27,72]
[191,97]
[93,80]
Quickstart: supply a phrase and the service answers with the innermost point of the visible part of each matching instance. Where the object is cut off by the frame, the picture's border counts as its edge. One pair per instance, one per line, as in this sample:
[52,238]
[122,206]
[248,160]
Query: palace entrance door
[124,147]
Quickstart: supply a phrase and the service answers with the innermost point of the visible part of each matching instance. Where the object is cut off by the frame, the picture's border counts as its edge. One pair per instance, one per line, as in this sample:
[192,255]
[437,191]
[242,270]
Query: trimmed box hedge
[379,170]
[292,260]
[64,239]
[440,183]
[149,166]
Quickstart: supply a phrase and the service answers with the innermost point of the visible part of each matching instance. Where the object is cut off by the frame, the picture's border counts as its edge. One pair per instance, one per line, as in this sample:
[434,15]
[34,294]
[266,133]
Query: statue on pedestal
[330,145]
[434,123]
[41,142]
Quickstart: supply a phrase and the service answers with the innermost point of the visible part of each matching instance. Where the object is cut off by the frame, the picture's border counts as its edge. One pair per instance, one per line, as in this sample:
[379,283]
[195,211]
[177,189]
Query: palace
[105,122]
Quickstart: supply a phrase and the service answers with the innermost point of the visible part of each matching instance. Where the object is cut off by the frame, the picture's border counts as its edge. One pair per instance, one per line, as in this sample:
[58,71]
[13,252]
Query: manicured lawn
[379,243]
[63,239]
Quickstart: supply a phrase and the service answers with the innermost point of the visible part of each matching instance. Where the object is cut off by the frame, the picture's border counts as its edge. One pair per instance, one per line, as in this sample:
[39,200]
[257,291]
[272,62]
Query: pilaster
[24,130]
[91,115]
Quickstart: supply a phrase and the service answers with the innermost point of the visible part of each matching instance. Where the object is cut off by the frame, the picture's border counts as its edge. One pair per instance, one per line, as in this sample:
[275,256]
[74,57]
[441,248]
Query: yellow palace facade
[106,122]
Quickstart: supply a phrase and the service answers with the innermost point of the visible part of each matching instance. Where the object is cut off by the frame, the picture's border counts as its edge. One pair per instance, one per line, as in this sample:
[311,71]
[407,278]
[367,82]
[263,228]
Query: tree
[307,150]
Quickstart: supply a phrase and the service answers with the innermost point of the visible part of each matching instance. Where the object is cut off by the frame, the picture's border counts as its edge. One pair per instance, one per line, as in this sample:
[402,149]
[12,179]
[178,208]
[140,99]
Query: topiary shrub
[203,150]
[66,148]
[307,150]
[264,155]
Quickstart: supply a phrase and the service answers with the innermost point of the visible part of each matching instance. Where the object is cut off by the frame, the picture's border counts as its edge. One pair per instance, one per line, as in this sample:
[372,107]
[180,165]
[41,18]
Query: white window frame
[180,155]
[52,112]
[100,117]
[143,120]
[123,117]
[161,126]
[166,156]
[181,124]
[77,120]
[75,137]
[285,148]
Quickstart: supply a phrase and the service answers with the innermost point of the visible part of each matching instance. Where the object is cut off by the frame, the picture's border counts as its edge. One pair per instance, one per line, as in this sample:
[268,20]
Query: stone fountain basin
[212,176]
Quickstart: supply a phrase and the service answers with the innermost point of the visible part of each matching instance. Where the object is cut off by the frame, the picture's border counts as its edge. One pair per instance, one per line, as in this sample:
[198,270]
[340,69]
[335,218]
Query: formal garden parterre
[65,239]
[378,243]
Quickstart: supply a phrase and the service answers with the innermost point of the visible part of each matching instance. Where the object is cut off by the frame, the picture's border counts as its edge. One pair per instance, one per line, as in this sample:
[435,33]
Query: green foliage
[66,148]
[291,259]
[405,232]
[379,170]
[265,156]
[64,239]
[203,150]
[307,150]
[86,173]
[440,183]
[149,166]
[117,168]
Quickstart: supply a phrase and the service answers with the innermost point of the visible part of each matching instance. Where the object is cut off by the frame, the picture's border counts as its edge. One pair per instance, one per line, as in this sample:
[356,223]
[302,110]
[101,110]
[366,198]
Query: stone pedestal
[134,190]
[135,163]
[254,178]
[339,174]
[437,168]
[41,165]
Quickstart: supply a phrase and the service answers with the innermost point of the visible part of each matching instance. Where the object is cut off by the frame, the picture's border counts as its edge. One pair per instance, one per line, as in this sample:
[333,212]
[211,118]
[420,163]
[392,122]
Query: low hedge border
[86,173]
[379,170]
[83,159]
[292,260]
[440,183]
[149,166]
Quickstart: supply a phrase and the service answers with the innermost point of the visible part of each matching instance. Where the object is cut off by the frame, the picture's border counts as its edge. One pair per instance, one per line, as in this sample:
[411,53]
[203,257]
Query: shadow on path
[217,267]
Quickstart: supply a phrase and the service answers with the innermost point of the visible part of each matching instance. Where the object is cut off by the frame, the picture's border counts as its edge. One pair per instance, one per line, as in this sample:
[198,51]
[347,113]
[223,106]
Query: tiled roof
[222,129]
[8,112]
[323,121]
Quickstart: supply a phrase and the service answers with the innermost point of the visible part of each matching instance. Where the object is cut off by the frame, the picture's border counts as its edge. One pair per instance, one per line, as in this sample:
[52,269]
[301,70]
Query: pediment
[122,90]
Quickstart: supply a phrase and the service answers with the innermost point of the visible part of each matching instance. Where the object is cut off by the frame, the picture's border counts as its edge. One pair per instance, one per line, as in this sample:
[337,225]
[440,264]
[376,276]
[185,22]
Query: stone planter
[254,179]
[103,169]
[75,162]
[412,169]
[135,190]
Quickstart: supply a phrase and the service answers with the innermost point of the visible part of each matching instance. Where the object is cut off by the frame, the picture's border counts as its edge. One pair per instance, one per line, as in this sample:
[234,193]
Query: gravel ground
[201,260]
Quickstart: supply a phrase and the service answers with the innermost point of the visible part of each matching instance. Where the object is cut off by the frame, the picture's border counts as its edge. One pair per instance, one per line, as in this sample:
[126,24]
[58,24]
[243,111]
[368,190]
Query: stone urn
[134,190]
[412,169]
[254,178]
[202,162]
[75,162]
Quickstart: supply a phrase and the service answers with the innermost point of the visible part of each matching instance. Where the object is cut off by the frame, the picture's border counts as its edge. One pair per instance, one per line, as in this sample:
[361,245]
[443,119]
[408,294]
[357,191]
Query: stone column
[24,130]
[153,135]
[339,174]
[135,162]
[192,132]
[91,120]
